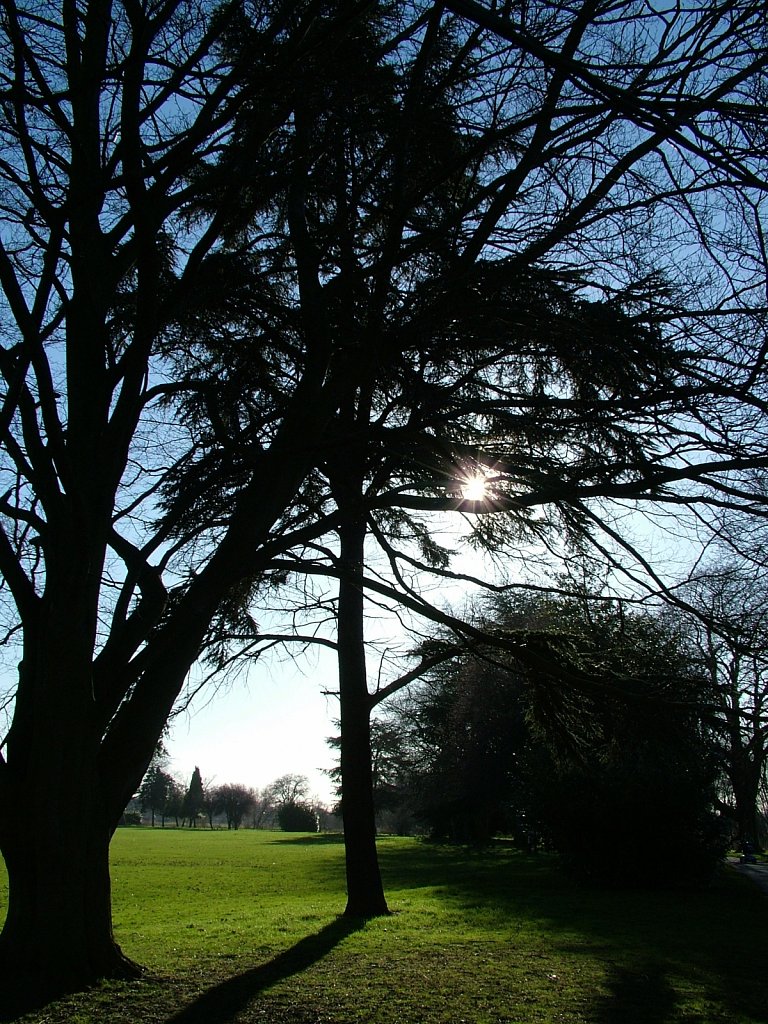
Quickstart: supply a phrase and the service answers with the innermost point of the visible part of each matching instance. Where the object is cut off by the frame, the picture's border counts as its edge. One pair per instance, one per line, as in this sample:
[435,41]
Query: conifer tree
[194,800]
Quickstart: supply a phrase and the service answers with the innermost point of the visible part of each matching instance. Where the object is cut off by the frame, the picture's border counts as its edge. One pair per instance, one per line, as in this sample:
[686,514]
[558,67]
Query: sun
[475,488]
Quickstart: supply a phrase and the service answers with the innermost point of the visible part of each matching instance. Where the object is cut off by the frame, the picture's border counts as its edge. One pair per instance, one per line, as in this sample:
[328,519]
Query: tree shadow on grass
[319,839]
[656,942]
[639,996]
[222,1003]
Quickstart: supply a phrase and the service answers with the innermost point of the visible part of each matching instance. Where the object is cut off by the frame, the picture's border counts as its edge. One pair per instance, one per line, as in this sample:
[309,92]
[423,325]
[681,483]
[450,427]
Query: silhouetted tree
[729,630]
[235,801]
[606,750]
[194,800]
[173,224]
[388,763]
[471,341]
[116,109]
[154,792]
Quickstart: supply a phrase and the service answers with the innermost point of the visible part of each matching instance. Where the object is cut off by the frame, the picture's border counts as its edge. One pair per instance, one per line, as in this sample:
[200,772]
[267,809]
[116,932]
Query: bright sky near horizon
[271,722]
[276,718]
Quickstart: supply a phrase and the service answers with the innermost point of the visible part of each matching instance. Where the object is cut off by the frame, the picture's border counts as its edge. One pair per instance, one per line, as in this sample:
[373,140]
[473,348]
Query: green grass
[243,927]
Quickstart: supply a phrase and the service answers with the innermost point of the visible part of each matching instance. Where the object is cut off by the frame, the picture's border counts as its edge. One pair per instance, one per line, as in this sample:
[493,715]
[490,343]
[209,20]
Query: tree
[388,767]
[473,278]
[155,791]
[289,796]
[174,807]
[466,737]
[729,631]
[296,816]
[109,112]
[194,800]
[261,808]
[631,768]
[236,801]
[606,752]
[169,202]
[211,802]
[156,785]
[288,789]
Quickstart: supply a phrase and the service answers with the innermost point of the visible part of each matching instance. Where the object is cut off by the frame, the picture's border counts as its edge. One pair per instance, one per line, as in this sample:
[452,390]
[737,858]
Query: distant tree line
[285,803]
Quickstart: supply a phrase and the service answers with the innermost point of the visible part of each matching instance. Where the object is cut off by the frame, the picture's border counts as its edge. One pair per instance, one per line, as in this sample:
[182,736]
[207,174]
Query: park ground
[244,927]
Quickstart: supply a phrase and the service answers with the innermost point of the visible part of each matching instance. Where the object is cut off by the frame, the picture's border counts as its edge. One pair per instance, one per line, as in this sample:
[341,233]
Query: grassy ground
[243,927]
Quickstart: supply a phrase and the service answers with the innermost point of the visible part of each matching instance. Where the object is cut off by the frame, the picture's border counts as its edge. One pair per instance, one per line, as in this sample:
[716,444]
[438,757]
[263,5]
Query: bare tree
[288,789]
[261,808]
[211,803]
[109,112]
[730,631]
[235,801]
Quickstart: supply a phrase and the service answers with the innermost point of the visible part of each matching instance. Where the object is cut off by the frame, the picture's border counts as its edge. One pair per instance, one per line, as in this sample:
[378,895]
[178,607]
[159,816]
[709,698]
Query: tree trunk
[365,892]
[746,788]
[57,936]
[744,768]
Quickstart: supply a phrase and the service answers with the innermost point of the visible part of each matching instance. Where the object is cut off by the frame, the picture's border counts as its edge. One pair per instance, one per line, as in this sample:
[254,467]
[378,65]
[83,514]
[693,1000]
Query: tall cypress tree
[194,799]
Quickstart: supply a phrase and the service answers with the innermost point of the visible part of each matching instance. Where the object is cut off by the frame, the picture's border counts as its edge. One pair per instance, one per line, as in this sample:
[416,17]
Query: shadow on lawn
[315,839]
[653,945]
[638,996]
[656,942]
[222,1003]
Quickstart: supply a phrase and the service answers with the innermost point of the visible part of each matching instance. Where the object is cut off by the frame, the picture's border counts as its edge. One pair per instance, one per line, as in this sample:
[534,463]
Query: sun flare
[475,488]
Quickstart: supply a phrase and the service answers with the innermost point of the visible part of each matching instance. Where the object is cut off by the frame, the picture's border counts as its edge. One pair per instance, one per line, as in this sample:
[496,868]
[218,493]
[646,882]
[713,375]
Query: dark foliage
[296,816]
[235,801]
[640,817]
[606,757]
[194,801]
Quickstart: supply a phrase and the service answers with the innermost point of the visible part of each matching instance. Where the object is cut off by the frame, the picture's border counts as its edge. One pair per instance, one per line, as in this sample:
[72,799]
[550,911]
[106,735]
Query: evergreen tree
[194,801]
[599,743]
[155,791]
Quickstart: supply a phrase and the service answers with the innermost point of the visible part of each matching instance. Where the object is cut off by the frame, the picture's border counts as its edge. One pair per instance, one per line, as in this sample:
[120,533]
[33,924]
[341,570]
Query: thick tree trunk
[57,936]
[746,789]
[744,767]
[365,892]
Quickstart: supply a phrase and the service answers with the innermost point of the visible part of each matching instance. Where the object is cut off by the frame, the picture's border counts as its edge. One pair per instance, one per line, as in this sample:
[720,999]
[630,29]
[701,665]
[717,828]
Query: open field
[243,927]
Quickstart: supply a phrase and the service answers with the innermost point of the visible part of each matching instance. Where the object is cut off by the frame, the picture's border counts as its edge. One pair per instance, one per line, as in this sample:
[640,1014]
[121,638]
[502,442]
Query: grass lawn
[243,927]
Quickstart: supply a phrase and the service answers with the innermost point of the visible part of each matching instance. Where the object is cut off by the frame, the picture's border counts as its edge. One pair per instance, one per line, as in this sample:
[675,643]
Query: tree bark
[58,935]
[365,891]
[745,782]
